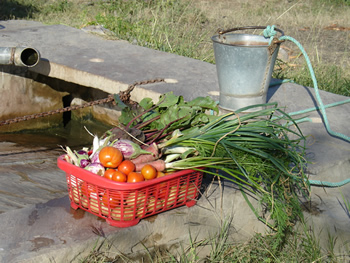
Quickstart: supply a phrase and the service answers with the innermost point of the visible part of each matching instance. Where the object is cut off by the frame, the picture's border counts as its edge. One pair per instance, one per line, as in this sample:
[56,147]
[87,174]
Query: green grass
[340,3]
[330,78]
[302,246]
[155,24]
[345,204]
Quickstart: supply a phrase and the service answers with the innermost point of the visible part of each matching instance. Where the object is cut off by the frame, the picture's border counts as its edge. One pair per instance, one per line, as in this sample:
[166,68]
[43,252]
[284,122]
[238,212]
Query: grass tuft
[330,78]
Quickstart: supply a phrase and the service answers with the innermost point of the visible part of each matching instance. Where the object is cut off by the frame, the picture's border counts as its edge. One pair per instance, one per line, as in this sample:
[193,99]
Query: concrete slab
[329,156]
[76,56]
[47,230]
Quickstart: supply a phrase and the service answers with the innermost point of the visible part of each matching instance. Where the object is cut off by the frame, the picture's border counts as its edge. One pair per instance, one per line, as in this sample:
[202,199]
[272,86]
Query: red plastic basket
[125,204]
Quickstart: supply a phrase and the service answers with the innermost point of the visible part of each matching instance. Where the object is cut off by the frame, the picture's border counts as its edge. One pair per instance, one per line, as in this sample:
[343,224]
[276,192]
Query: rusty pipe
[19,56]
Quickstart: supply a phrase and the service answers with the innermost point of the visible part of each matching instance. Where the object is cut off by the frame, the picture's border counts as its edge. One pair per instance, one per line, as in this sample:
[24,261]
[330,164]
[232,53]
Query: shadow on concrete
[11,9]
[272,90]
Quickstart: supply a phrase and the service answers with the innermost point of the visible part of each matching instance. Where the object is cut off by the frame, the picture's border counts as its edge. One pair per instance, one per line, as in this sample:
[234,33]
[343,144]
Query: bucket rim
[223,32]
[216,39]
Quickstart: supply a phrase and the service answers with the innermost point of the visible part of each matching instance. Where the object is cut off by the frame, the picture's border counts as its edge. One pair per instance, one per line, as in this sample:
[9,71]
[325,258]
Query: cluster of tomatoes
[121,170]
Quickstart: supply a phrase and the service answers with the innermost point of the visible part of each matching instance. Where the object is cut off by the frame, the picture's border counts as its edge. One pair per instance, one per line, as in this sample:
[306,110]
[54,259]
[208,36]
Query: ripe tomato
[134,177]
[149,172]
[115,175]
[110,157]
[126,167]
[112,201]
[89,190]
[119,177]
[162,189]
[109,173]
[160,174]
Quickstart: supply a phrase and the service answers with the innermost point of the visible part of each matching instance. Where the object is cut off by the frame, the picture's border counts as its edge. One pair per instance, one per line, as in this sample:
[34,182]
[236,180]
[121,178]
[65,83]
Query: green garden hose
[270,32]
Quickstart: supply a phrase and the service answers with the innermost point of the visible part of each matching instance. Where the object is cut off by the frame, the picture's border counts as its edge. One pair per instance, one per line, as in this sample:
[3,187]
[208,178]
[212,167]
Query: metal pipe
[19,56]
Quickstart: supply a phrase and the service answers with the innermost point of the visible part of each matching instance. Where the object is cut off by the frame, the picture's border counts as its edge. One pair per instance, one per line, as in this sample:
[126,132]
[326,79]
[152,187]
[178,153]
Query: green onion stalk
[258,151]
[253,135]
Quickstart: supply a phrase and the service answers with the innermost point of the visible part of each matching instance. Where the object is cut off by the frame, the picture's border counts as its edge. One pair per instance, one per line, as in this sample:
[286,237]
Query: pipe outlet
[19,56]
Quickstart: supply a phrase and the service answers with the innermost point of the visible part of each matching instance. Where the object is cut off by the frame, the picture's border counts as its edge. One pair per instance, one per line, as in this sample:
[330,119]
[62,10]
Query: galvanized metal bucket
[244,64]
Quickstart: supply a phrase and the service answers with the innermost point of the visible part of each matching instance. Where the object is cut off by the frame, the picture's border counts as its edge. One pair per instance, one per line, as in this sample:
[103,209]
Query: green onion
[258,151]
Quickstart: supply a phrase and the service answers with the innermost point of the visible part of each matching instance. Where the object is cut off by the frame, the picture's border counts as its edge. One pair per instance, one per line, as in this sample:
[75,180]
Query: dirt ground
[323,29]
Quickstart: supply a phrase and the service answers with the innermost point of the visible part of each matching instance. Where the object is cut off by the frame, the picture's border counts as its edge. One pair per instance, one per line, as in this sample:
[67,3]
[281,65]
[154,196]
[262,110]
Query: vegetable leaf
[146,103]
[168,99]
[119,102]
[204,102]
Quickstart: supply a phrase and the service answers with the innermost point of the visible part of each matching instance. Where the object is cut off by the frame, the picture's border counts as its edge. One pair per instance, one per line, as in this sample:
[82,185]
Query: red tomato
[111,201]
[160,174]
[109,173]
[134,177]
[110,157]
[119,177]
[89,190]
[115,175]
[149,172]
[126,167]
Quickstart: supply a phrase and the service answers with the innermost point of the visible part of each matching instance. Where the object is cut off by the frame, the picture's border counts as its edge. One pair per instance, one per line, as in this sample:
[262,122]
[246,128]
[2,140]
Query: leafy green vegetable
[170,113]
[146,103]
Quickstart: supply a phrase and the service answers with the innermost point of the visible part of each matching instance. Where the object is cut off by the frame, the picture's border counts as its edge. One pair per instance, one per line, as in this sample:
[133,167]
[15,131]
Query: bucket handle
[222,32]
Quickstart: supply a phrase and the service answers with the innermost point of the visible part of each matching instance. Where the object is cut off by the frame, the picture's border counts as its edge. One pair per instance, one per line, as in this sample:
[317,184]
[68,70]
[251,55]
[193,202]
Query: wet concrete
[28,176]
[28,163]
[36,220]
